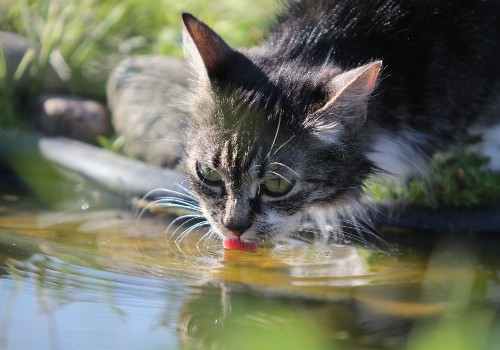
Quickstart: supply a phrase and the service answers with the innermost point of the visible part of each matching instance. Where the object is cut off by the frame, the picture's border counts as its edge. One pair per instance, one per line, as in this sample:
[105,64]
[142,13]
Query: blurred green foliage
[91,35]
[460,178]
[83,40]
[8,116]
[114,143]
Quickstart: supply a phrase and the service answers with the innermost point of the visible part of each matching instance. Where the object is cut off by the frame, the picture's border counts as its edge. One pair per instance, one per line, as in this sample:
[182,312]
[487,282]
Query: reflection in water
[60,310]
[100,279]
[222,317]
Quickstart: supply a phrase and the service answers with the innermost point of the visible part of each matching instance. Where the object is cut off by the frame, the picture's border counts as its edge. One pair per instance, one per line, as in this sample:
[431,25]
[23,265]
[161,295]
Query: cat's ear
[204,49]
[354,85]
[349,93]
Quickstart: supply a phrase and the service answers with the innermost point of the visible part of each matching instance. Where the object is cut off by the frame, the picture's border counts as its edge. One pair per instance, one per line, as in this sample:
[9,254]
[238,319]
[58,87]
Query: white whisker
[334,221]
[158,140]
[139,214]
[206,236]
[301,238]
[281,176]
[189,217]
[189,230]
[275,137]
[187,192]
[252,171]
[339,237]
[362,229]
[357,239]
[284,143]
[287,167]
[165,202]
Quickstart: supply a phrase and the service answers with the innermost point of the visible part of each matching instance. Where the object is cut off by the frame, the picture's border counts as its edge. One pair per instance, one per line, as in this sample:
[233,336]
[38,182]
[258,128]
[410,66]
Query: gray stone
[74,160]
[144,96]
[71,116]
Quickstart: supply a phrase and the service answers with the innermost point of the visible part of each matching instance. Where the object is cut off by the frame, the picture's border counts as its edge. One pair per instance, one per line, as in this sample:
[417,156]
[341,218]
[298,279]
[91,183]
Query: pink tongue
[238,244]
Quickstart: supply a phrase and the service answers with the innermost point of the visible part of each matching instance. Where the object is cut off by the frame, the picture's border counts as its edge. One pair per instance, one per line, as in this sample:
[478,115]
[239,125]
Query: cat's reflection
[223,316]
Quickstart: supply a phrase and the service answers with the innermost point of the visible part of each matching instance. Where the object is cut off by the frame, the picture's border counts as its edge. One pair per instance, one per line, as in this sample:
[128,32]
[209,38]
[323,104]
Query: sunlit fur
[339,91]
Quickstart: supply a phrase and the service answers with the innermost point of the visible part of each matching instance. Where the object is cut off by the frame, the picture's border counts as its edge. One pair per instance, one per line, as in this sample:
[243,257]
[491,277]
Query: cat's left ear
[349,93]
[207,52]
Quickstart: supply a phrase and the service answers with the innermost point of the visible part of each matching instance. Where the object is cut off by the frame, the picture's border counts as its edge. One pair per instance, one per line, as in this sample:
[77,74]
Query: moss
[460,178]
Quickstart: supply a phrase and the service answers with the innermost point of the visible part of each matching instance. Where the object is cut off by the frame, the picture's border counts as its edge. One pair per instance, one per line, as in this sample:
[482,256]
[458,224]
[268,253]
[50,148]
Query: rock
[71,116]
[46,163]
[144,96]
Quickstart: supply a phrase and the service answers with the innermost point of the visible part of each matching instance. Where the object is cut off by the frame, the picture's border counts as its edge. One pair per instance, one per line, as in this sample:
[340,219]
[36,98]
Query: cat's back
[355,31]
[440,57]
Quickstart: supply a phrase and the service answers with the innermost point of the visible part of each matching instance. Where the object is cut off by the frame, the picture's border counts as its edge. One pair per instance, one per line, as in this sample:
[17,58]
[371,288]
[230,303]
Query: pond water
[85,278]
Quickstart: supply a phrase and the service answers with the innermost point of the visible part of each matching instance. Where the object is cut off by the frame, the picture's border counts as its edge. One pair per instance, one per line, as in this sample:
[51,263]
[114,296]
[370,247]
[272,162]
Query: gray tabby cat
[341,90]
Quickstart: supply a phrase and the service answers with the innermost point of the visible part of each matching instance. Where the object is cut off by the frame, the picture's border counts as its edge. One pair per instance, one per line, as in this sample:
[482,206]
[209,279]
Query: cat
[290,130]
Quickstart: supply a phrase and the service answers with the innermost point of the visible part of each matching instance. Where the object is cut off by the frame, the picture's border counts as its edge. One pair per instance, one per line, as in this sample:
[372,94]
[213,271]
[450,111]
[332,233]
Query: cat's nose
[235,231]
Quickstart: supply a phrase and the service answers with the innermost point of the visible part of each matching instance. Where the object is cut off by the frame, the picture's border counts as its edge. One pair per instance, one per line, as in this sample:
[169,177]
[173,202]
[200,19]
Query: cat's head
[272,141]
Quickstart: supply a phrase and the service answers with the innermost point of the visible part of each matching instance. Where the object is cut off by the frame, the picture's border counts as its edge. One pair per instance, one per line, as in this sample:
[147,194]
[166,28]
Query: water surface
[86,278]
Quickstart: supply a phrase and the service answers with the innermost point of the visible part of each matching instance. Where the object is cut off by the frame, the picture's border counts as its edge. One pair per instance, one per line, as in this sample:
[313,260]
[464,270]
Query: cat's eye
[208,175]
[277,187]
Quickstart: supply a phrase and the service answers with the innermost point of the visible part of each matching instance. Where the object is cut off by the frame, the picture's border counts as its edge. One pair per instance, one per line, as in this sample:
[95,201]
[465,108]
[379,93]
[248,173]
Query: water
[99,279]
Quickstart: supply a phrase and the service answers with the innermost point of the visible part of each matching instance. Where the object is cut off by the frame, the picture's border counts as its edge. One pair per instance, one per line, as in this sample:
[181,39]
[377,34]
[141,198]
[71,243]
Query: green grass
[459,179]
[85,39]
[91,35]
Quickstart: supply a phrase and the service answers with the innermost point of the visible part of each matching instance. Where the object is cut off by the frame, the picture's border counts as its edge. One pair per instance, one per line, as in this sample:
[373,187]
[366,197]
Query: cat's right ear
[346,106]
[207,52]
